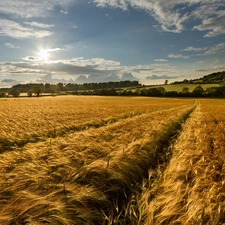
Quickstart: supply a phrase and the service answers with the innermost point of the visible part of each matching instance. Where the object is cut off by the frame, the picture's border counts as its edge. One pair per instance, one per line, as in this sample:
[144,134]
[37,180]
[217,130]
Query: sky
[83,41]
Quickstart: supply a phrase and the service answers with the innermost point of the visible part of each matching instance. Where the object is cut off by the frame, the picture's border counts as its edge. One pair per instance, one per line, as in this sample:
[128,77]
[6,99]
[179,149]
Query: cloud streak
[172,15]
[178,56]
[76,66]
[216,49]
[15,30]
[40,25]
[156,77]
[86,70]
[191,48]
[17,11]
[9,45]
[32,8]
[214,26]
[160,60]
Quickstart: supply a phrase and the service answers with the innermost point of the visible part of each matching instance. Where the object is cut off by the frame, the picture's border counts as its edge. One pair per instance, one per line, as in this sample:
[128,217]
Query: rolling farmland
[112,160]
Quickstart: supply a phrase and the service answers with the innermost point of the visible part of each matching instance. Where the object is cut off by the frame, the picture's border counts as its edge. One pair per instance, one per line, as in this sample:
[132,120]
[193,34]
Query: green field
[179,87]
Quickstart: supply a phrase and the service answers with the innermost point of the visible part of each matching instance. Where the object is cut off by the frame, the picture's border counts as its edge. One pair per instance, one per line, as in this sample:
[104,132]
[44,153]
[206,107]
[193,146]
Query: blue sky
[108,40]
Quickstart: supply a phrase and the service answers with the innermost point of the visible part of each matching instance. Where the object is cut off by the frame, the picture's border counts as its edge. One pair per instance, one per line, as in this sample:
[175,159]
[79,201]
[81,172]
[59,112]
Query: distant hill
[213,78]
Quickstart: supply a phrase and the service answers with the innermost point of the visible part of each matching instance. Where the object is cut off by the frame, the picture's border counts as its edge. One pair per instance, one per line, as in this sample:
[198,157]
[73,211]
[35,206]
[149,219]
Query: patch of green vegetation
[191,87]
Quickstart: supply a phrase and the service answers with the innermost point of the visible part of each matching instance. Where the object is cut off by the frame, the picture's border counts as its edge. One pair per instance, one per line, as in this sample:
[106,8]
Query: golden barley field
[112,160]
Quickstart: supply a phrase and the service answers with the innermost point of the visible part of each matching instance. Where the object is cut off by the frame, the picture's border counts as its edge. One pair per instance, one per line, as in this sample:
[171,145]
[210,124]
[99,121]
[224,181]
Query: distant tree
[37,90]
[52,91]
[130,93]
[2,94]
[162,90]
[113,92]
[185,90]
[29,93]
[142,92]
[60,87]
[216,91]
[197,92]
[124,93]
[172,94]
[156,92]
[166,82]
[14,92]
[47,88]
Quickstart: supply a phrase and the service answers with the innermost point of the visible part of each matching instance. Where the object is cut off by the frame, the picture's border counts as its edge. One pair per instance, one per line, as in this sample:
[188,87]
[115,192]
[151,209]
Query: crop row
[192,189]
[27,120]
[86,177]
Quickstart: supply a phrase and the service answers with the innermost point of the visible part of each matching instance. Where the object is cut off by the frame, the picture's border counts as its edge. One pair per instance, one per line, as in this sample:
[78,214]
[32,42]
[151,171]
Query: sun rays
[44,55]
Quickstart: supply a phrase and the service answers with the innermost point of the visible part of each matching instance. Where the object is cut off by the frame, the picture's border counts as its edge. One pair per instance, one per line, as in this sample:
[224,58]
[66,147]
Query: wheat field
[112,160]
[25,120]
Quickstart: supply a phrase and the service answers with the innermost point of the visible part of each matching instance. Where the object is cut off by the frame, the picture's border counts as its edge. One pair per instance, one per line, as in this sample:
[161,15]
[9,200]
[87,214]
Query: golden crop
[192,189]
[112,160]
[22,120]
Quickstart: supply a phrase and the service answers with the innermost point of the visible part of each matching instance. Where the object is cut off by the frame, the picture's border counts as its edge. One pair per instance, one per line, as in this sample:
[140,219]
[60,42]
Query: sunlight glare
[44,55]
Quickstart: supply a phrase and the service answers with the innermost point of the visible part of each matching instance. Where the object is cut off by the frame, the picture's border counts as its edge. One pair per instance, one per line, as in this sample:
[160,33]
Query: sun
[44,55]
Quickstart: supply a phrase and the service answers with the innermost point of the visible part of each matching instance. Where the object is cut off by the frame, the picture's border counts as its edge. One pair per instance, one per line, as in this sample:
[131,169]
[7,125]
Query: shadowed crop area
[112,160]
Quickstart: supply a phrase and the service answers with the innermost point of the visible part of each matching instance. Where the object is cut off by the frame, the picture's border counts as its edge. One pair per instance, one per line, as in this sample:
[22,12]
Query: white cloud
[151,68]
[75,66]
[173,14]
[40,58]
[17,10]
[9,45]
[7,83]
[122,4]
[156,77]
[100,62]
[31,58]
[191,48]
[214,26]
[15,30]
[40,25]
[160,60]
[161,10]
[207,9]
[200,62]
[63,12]
[55,49]
[128,76]
[32,8]
[96,68]
[216,49]
[178,56]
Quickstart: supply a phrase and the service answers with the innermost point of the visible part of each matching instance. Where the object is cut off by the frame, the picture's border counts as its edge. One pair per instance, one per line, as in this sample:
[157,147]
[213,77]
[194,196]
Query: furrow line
[79,179]
[124,172]
[8,145]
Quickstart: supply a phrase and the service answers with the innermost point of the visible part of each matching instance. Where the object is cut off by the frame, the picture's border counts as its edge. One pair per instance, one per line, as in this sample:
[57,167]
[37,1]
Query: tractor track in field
[115,182]
[152,174]
[196,165]
[10,145]
[133,169]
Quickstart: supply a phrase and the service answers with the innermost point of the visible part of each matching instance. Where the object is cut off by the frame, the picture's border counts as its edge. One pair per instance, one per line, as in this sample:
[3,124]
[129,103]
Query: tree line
[36,89]
[214,78]
[137,90]
[158,92]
